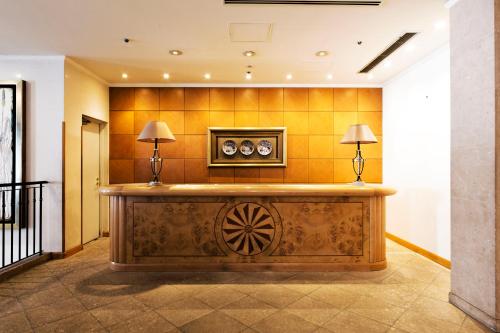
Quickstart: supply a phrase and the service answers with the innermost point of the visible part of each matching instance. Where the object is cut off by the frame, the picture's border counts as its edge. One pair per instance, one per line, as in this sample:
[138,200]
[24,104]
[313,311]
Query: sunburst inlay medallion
[248,229]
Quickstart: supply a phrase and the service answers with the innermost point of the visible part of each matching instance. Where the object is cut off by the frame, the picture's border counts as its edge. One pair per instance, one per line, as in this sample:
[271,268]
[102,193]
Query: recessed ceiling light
[175,52]
[18,76]
[370,76]
[249,53]
[124,76]
[329,76]
[321,53]
[207,76]
[387,64]
[166,76]
[248,75]
[289,76]
[439,25]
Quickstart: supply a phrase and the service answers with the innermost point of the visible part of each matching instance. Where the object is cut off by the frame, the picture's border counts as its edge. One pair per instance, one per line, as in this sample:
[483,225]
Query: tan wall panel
[314,131]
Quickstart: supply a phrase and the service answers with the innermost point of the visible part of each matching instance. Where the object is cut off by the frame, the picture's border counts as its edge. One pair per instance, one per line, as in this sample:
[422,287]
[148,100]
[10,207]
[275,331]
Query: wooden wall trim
[63,190]
[415,248]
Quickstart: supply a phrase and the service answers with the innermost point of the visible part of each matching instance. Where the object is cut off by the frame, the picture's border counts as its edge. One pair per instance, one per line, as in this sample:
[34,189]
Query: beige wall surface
[474,183]
[316,119]
[84,94]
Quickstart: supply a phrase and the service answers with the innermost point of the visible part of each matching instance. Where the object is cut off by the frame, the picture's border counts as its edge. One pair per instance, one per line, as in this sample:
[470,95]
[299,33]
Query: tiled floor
[80,294]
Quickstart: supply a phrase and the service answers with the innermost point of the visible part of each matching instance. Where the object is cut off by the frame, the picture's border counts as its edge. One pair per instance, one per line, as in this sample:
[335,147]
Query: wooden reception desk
[247,227]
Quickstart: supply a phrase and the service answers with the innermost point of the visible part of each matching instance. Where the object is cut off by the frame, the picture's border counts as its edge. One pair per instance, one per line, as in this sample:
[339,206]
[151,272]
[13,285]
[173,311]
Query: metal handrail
[24,183]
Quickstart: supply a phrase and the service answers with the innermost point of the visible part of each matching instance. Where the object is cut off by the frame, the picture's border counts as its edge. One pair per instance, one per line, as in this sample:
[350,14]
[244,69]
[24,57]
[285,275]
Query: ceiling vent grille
[388,51]
[306,2]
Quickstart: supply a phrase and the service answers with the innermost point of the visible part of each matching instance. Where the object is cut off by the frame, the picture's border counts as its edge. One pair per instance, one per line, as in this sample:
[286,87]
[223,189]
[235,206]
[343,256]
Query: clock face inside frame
[247,146]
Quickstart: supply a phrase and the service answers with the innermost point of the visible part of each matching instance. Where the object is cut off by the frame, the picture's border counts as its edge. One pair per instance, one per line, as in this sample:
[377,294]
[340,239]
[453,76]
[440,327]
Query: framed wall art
[247,146]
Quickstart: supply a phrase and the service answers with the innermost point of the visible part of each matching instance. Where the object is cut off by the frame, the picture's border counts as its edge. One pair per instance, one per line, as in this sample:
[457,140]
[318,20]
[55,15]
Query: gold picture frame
[274,157]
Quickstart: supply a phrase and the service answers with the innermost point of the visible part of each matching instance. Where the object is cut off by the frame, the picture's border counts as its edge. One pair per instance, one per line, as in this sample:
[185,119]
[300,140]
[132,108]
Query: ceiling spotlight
[329,76]
[321,53]
[387,64]
[124,76]
[410,47]
[18,76]
[289,76]
[207,76]
[166,76]
[248,75]
[175,52]
[249,53]
[370,76]
[439,25]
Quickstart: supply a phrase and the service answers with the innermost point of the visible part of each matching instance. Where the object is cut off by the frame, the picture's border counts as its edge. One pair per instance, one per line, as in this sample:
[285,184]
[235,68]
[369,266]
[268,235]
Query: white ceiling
[91,33]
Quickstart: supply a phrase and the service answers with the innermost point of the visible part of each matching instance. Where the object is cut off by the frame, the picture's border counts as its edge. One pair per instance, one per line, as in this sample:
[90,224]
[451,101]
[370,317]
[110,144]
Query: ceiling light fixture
[248,75]
[166,76]
[370,76]
[207,76]
[124,76]
[321,53]
[387,64]
[329,76]
[249,53]
[410,47]
[18,76]
[175,52]
[289,76]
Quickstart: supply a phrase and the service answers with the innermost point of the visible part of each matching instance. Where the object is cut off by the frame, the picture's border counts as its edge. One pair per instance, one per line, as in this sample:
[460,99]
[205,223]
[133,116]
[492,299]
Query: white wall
[45,112]
[416,152]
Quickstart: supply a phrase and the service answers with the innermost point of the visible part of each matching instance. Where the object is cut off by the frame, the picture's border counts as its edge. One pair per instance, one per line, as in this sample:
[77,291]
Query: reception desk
[247,227]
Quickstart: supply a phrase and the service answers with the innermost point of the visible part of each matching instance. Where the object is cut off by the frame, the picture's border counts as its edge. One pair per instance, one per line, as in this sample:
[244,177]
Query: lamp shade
[156,130]
[359,133]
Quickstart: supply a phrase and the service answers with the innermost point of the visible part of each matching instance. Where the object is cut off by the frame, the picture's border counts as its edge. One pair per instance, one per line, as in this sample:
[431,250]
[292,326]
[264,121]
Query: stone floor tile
[46,296]
[283,321]
[377,309]
[303,288]
[264,277]
[161,295]
[315,277]
[9,305]
[15,323]
[275,295]
[219,296]
[472,326]
[54,311]
[148,322]
[398,294]
[214,322]
[317,312]
[407,274]
[194,289]
[335,295]
[184,311]
[415,322]
[80,323]
[117,312]
[248,310]
[94,296]
[439,309]
[435,292]
[348,322]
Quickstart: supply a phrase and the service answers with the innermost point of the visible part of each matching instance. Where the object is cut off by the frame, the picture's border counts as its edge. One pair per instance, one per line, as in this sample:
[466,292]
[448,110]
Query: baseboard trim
[474,312]
[105,234]
[23,265]
[65,254]
[415,248]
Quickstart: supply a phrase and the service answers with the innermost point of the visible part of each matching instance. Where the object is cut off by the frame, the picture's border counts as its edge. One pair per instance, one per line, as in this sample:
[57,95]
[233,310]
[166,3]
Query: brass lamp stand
[358,134]
[156,132]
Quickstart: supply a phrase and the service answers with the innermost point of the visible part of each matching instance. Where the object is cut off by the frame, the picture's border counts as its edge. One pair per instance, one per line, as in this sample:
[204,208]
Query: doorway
[90,180]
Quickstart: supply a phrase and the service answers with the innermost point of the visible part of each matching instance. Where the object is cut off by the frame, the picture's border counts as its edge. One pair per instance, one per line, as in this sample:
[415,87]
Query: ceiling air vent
[388,51]
[306,2]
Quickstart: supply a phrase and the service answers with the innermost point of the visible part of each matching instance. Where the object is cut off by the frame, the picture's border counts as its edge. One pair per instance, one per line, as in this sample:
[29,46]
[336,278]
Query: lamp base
[154,183]
[358,183]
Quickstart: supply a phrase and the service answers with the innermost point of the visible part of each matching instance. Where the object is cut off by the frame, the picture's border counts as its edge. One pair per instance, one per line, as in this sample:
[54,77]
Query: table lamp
[358,134]
[156,132]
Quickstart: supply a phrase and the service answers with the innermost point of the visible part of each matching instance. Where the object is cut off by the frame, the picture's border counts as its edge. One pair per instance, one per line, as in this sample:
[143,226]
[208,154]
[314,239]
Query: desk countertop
[367,190]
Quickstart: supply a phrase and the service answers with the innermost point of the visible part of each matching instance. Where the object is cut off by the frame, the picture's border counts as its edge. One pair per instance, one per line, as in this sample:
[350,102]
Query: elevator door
[90,182]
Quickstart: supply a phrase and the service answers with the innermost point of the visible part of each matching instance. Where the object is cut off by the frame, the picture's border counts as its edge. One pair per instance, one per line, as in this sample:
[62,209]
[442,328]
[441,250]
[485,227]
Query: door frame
[85,120]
